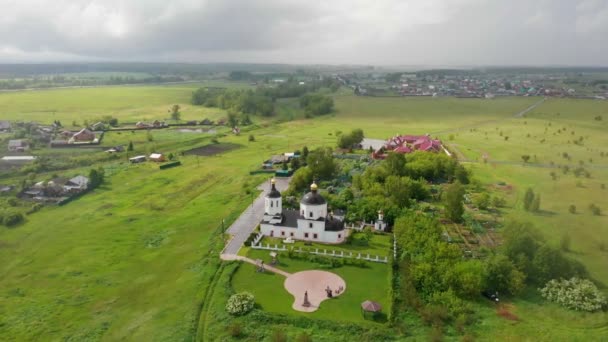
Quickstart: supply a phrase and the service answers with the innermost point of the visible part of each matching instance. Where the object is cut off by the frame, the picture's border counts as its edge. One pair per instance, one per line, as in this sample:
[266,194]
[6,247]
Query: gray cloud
[402,32]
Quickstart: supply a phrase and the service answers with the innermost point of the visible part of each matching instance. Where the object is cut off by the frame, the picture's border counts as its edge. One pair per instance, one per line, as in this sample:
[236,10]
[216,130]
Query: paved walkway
[250,218]
[229,257]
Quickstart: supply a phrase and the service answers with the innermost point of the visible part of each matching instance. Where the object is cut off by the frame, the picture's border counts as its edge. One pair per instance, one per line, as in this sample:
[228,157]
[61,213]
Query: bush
[279,336]
[251,137]
[572,209]
[240,303]
[235,330]
[595,210]
[304,337]
[12,218]
[577,294]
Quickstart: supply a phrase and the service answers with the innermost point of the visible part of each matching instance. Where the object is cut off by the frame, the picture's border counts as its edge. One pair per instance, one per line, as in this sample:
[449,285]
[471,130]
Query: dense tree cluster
[577,294]
[316,104]
[351,139]
[261,100]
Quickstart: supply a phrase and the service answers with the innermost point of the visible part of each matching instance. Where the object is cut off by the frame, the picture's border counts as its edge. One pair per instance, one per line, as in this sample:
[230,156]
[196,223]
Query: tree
[469,278]
[525,158]
[395,164]
[130,147]
[503,276]
[95,178]
[528,199]
[295,163]
[535,206]
[175,114]
[498,202]
[453,206]
[149,136]
[321,163]
[233,120]
[285,167]
[350,140]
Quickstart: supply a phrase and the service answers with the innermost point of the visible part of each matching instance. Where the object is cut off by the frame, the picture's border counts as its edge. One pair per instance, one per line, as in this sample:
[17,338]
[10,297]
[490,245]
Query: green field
[136,258]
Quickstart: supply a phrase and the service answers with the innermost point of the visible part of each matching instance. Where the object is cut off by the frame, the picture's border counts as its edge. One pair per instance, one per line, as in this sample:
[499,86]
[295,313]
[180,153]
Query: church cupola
[273,201]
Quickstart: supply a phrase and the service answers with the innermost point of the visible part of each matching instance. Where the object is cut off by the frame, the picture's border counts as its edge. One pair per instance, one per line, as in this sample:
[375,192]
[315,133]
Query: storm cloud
[382,32]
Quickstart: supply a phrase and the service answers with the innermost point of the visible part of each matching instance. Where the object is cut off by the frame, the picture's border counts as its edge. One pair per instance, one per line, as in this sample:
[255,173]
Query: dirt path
[230,257]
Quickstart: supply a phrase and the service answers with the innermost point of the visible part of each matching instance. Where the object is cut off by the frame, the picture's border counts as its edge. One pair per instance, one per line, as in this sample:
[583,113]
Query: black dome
[313,198]
[274,193]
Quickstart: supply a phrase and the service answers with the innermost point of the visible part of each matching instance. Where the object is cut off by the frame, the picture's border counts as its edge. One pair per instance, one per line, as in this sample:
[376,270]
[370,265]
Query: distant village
[467,86]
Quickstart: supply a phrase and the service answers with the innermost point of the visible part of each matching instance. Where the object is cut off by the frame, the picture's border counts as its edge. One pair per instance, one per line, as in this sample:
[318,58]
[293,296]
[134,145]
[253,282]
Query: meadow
[137,258]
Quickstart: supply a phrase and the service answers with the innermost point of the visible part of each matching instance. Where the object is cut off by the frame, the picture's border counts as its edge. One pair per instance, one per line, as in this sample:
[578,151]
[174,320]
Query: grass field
[134,259]
[127,103]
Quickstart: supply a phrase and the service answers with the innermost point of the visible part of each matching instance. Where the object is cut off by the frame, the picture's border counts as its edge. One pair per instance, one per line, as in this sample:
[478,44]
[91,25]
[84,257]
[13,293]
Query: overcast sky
[378,32]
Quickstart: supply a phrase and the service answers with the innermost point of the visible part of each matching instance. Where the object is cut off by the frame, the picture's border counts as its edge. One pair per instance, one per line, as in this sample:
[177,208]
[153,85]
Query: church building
[311,223]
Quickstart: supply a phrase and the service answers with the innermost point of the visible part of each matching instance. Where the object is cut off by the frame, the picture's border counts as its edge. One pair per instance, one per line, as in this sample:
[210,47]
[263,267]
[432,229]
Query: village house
[313,222]
[5,126]
[18,145]
[84,135]
[157,157]
[137,159]
[405,144]
[76,184]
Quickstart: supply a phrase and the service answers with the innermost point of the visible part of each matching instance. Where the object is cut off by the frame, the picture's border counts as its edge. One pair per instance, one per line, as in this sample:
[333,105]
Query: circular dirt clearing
[315,284]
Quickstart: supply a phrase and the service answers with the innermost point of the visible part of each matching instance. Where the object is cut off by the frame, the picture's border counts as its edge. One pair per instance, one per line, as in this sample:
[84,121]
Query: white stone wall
[273,206]
[304,233]
[313,212]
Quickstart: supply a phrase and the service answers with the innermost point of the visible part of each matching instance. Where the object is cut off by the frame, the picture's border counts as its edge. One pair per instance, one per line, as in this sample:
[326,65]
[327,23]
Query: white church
[311,223]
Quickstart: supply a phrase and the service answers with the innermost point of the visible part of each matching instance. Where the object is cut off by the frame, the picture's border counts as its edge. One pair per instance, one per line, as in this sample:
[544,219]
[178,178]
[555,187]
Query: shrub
[251,137]
[595,210]
[279,336]
[12,218]
[235,330]
[577,294]
[572,209]
[240,303]
[304,337]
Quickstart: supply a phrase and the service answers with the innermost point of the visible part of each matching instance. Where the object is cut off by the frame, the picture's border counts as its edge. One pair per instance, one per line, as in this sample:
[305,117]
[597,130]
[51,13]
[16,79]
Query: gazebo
[369,306]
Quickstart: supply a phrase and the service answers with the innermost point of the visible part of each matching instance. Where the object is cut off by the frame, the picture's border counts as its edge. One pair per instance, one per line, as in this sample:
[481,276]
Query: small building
[18,145]
[83,135]
[98,126]
[157,157]
[115,149]
[76,184]
[142,125]
[137,159]
[5,126]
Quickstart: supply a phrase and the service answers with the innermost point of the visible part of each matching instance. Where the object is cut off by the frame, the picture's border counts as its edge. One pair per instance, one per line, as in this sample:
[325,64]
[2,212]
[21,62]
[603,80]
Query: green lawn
[380,245]
[370,282]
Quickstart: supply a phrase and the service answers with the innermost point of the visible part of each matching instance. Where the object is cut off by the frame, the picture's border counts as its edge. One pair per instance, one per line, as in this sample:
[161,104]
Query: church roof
[274,193]
[313,197]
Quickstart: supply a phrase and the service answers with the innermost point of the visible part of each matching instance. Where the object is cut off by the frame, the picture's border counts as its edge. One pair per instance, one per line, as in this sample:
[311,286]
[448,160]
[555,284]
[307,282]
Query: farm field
[135,258]
[127,103]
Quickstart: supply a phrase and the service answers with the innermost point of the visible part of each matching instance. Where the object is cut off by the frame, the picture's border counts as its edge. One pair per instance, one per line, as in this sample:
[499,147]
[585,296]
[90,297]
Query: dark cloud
[404,32]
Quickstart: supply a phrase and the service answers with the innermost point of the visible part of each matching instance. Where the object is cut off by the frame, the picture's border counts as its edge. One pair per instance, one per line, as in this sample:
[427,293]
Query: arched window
[271,204]
[310,214]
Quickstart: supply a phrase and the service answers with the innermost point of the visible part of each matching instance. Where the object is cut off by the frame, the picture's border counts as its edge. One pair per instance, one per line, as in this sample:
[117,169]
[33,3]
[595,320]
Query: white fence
[324,252]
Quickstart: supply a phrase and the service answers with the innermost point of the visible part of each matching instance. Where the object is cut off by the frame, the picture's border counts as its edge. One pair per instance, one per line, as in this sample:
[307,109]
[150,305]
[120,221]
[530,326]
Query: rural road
[250,218]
